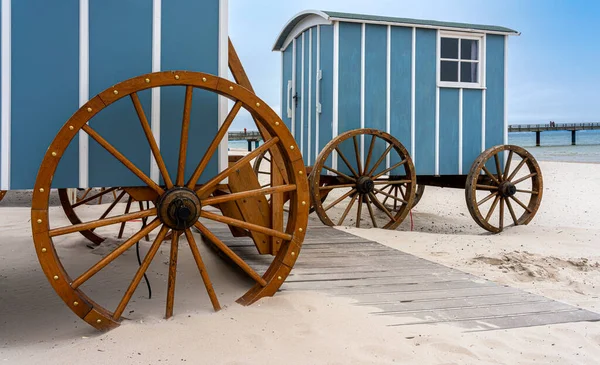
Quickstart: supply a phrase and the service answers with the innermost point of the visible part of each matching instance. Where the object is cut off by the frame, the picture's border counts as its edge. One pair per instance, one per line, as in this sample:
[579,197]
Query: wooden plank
[437,295]
[354,291]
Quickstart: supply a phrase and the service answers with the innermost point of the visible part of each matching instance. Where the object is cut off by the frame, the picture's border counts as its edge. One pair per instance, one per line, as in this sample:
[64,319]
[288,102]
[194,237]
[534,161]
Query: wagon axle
[179,208]
[507,189]
[365,185]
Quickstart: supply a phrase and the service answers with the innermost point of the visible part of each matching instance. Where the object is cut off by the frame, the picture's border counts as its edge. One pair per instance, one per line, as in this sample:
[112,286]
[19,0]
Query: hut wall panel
[326,87]
[425,99]
[305,96]
[400,89]
[449,105]
[1,170]
[120,34]
[287,76]
[375,88]
[349,102]
[472,104]
[45,84]
[494,103]
[297,91]
[178,28]
[313,98]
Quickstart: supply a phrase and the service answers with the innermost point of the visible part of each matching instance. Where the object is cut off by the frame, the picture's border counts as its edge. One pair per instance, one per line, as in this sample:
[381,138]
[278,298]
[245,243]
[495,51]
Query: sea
[555,145]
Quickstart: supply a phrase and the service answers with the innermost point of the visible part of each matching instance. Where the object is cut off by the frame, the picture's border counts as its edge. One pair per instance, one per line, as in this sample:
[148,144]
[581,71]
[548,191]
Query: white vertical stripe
[223,159]
[318,91]
[437,107]
[156,60]
[505,91]
[310,77]
[413,71]
[282,106]
[301,98]
[84,87]
[336,84]
[294,88]
[6,95]
[483,92]
[362,88]
[460,131]
[388,88]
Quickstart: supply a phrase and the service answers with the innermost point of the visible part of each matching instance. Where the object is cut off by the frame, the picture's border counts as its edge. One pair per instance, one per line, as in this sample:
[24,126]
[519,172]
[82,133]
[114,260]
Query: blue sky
[553,66]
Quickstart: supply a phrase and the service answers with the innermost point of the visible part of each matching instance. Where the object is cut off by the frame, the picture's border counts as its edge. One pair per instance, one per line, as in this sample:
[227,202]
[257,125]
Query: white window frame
[480,37]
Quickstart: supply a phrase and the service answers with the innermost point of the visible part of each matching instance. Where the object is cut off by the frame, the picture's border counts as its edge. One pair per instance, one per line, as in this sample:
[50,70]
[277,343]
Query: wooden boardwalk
[410,289]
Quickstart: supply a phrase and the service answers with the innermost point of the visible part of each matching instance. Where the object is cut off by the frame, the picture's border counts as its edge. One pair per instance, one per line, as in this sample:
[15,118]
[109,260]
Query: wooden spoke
[517,169]
[525,178]
[487,198]
[528,192]
[338,186]
[172,274]
[87,191]
[498,170]
[140,272]
[248,193]
[93,197]
[507,167]
[359,209]
[391,182]
[491,211]
[380,160]
[101,222]
[119,156]
[338,200]
[488,173]
[115,253]
[390,196]
[185,127]
[521,204]
[346,162]
[338,173]
[486,187]
[370,208]
[214,145]
[202,268]
[245,225]
[343,217]
[266,158]
[151,140]
[145,219]
[501,218]
[371,146]
[127,208]
[112,206]
[357,155]
[512,212]
[389,192]
[232,255]
[381,206]
[390,169]
[217,179]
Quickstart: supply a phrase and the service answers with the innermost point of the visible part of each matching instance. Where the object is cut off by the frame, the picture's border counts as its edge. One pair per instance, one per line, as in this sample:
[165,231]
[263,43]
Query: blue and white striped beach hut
[438,87]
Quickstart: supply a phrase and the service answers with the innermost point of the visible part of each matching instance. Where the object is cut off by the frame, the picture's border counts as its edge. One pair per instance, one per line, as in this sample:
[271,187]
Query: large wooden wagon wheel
[180,204]
[490,187]
[361,187]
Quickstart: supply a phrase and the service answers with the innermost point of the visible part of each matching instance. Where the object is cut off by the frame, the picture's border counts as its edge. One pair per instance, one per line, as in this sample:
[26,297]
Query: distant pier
[250,136]
[539,128]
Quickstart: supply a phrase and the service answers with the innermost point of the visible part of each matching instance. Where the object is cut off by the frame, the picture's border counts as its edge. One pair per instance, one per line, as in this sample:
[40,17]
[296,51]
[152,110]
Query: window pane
[449,48]
[469,49]
[449,71]
[469,72]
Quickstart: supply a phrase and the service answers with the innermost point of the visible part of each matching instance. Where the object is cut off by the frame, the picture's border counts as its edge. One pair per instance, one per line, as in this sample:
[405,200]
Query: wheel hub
[507,189]
[364,185]
[179,208]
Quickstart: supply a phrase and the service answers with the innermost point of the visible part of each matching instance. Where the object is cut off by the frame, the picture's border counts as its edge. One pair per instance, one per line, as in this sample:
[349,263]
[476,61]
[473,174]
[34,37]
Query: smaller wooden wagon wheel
[399,191]
[490,187]
[181,203]
[356,188]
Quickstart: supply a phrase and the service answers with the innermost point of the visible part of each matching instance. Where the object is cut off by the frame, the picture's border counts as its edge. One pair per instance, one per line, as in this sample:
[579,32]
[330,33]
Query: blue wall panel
[471,127]
[326,87]
[180,25]
[297,92]
[313,99]
[287,76]
[349,84]
[304,98]
[375,87]
[449,104]
[120,34]
[494,101]
[425,90]
[45,87]
[400,89]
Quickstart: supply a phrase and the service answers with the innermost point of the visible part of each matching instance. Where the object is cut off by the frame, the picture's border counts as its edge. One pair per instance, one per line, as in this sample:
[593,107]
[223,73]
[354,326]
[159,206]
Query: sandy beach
[556,256]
